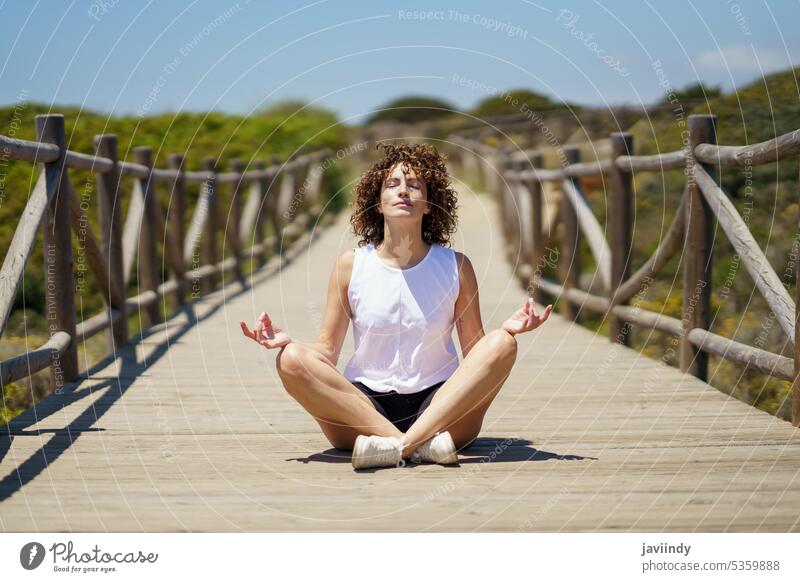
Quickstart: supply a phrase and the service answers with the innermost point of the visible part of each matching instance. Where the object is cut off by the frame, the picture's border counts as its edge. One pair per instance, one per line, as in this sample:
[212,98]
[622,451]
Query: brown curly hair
[429,165]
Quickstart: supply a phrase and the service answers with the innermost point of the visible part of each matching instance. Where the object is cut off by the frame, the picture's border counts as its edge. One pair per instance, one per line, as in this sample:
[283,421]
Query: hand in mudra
[266,333]
[526,318]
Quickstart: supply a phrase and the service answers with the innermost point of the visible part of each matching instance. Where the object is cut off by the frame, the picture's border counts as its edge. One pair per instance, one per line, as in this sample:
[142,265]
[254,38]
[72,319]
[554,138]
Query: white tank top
[403,321]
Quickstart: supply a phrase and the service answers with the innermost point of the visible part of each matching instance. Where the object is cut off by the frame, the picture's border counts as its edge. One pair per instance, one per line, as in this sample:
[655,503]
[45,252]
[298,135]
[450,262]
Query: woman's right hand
[265,333]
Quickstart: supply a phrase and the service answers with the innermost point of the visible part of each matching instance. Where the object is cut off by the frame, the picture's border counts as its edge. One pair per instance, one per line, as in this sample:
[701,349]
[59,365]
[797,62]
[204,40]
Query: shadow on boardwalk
[481,451]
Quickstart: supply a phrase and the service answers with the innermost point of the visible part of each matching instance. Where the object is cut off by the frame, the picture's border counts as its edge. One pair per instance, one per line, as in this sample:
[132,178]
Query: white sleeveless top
[403,321]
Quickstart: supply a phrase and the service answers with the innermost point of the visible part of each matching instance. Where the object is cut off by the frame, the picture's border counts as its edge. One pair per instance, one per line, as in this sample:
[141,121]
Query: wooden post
[697,252]
[59,280]
[235,216]
[263,186]
[148,273]
[176,211]
[513,218]
[300,200]
[109,202]
[796,382]
[208,242]
[273,195]
[537,259]
[620,218]
[570,260]
[504,165]
[315,183]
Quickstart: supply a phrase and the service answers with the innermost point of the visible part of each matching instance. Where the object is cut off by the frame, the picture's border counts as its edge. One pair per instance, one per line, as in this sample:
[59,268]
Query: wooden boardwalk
[190,430]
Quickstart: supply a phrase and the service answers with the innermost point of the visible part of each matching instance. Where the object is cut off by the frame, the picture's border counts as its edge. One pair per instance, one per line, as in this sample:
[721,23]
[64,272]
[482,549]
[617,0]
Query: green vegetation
[695,91]
[514,102]
[413,109]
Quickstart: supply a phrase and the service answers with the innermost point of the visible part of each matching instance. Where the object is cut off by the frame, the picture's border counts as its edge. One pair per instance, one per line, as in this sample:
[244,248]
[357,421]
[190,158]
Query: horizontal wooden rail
[36,360]
[750,155]
[29,151]
[654,163]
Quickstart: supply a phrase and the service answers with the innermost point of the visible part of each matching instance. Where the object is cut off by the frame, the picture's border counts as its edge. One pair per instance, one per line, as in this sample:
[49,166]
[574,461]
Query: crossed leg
[344,412]
[461,403]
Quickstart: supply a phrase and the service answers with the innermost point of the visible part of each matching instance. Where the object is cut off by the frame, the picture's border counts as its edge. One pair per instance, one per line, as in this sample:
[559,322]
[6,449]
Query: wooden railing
[287,194]
[516,178]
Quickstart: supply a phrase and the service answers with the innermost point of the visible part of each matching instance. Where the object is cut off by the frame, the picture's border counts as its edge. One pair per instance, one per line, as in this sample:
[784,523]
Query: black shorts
[401,409]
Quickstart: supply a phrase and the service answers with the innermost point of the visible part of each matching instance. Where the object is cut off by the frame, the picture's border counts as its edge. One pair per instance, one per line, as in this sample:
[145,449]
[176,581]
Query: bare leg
[342,411]
[461,403]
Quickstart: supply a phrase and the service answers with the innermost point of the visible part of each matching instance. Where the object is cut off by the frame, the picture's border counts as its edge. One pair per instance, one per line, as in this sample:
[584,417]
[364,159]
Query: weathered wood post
[59,280]
[537,258]
[697,251]
[300,203]
[620,218]
[506,168]
[176,211]
[796,382]
[232,230]
[148,273]
[273,196]
[208,241]
[261,218]
[109,202]
[515,207]
[570,260]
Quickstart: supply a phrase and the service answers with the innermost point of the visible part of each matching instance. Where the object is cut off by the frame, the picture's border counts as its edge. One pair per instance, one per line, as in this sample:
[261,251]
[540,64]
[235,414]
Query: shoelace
[387,451]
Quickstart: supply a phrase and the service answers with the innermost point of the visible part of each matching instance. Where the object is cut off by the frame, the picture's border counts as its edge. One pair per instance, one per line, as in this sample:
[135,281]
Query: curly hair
[429,165]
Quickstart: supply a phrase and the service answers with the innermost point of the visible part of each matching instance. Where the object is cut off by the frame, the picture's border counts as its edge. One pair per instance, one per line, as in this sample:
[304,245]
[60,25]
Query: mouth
[403,204]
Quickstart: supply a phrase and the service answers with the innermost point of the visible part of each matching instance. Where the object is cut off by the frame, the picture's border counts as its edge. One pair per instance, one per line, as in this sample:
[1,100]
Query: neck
[402,243]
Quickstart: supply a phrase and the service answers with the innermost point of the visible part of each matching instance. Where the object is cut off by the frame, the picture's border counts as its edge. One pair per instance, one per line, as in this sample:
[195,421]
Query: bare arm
[468,313]
[337,311]
[467,310]
[334,325]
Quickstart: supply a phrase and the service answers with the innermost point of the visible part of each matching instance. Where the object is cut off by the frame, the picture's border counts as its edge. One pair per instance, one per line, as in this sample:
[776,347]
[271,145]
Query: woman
[403,394]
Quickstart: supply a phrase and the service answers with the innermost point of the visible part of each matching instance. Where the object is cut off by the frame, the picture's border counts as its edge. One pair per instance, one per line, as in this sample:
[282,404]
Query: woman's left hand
[526,318]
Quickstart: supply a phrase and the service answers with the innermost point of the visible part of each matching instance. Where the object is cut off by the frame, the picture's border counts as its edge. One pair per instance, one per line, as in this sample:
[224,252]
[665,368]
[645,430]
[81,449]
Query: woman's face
[403,195]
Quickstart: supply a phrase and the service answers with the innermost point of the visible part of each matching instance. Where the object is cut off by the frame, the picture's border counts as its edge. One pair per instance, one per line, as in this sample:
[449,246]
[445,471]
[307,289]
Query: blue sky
[140,57]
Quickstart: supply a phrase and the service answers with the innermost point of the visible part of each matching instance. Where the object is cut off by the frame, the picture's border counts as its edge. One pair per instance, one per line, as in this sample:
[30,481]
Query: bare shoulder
[344,266]
[464,264]
[340,278]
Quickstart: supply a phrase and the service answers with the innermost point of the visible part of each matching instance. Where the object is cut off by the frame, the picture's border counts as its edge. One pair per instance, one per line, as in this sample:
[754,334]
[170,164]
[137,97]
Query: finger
[246,330]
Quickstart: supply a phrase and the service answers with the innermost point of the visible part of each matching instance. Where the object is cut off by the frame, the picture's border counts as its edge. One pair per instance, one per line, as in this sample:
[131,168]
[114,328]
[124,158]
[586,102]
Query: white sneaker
[440,448]
[377,451]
